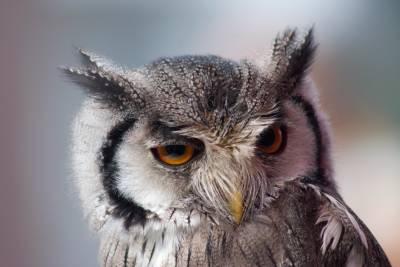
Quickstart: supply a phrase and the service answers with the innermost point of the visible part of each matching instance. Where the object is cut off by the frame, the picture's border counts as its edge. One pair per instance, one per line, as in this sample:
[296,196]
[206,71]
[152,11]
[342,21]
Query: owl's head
[194,138]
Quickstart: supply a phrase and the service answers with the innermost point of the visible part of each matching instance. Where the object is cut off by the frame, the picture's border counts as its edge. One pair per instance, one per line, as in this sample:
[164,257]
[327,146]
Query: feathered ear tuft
[105,82]
[93,61]
[291,59]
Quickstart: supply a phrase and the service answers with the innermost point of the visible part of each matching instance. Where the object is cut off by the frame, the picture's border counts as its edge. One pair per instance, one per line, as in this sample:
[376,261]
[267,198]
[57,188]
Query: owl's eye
[271,140]
[174,155]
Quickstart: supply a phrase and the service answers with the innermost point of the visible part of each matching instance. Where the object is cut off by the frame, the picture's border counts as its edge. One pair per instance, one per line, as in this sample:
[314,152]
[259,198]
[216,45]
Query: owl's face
[195,138]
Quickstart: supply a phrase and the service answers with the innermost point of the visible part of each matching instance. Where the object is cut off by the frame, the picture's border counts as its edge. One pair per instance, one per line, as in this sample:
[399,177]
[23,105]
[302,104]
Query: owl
[205,161]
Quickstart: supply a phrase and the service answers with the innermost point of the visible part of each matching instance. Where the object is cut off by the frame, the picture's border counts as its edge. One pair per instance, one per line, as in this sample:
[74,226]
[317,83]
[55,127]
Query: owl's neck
[154,243]
[140,249]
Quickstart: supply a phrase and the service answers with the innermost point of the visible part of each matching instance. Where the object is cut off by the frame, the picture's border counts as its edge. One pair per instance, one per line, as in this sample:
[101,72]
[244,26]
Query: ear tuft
[94,61]
[291,59]
[105,82]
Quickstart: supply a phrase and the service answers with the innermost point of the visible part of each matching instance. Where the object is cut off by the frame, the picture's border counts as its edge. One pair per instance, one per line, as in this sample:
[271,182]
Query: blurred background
[357,70]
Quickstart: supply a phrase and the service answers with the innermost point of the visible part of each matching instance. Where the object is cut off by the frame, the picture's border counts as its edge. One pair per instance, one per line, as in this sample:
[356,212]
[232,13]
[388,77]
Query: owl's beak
[236,206]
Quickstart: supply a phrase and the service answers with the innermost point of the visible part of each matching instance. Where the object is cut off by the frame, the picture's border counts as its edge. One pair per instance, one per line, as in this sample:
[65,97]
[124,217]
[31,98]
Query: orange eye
[271,140]
[174,155]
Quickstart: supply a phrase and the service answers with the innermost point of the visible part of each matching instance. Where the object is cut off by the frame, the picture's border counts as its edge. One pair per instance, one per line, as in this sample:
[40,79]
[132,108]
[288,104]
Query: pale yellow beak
[236,206]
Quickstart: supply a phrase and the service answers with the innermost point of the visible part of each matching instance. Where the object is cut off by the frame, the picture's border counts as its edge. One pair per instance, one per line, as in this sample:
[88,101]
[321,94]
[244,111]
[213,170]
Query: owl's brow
[275,114]
[169,127]
[177,128]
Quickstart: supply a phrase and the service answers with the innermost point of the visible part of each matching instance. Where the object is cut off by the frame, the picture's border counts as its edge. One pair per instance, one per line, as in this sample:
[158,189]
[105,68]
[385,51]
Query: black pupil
[175,151]
[267,138]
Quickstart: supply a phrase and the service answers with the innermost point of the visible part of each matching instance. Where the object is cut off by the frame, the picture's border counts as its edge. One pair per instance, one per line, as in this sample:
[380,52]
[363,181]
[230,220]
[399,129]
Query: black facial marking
[125,208]
[308,109]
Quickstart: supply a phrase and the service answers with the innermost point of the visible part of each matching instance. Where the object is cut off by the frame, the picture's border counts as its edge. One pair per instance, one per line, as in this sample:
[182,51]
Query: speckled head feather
[208,90]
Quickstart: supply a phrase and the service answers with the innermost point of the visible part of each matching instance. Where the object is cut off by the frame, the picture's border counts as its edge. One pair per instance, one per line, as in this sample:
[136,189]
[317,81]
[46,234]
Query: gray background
[357,69]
